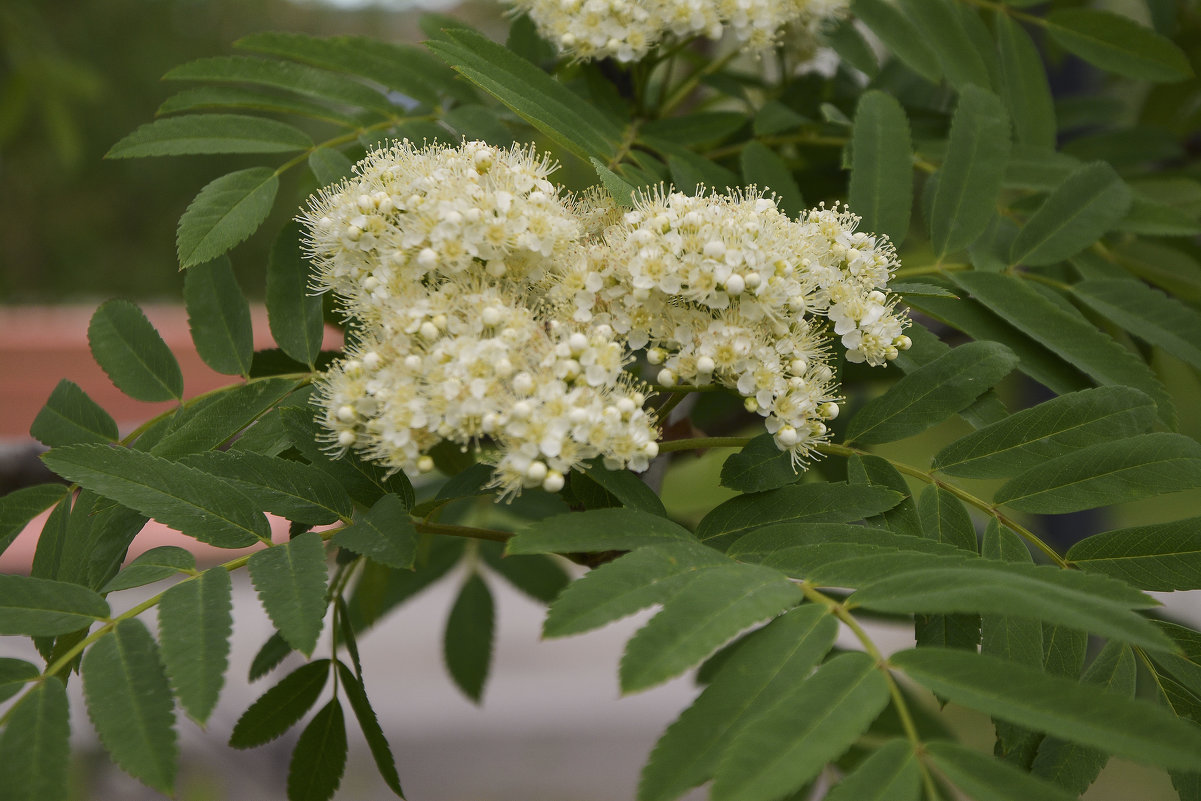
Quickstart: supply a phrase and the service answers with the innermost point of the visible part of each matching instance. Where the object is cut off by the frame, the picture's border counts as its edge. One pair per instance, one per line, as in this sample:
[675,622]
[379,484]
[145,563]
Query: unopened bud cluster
[628,29]
[500,313]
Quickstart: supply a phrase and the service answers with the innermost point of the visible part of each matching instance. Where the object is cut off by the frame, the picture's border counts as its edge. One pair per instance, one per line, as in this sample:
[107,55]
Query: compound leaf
[35,747]
[195,622]
[467,646]
[132,353]
[219,317]
[290,581]
[278,709]
[319,758]
[226,211]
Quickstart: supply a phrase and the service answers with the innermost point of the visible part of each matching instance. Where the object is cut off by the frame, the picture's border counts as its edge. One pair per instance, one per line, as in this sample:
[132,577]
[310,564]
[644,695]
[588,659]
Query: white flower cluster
[628,29]
[499,313]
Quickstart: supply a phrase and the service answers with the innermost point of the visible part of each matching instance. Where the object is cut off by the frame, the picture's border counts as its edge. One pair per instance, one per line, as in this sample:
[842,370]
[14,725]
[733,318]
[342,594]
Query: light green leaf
[199,505]
[130,704]
[939,21]
[319,758]
[944,519]
[207,98]
[278,709]
[1117,44]
[225,212]
[1082,713]
[293,312]
[1162,556]
[384,534]
[369,725]
[290,581]
[618,188]
[597,530]
[713,607]
[329,166]
[1024,85]
[1166,267]
[802,503]
[900,36]
[467,645]
[1050,429]
[17,508]
[881,190]
[210,133]
[1090,202]
[1107,473]
[43,607]
[71,417]
[909,288]
[762,167]
[970,177]
[35,747]
[789,744]
[195,622]
[932,393]
[1066,333]
[765,668]
[1148,314]
[219,317]
[540,577]
[987,779]
[759,466]
[14,675]
[293,490]
[132,353]
[154,565]
[219,417]
[891,773]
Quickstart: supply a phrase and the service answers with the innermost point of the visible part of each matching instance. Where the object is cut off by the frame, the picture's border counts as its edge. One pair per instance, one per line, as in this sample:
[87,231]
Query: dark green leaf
[219,317]
[1080,211]
[759,466]
[293,312]
[764,668]
[851,47]
[693,173]
[219,417]
[130,704]
[1118,44]
[319,758]
[908,288]
[467,646]
[293,490]
[881,190]
[891,773]
[810,543]
[1107,473]
[1166,267]
[329,166]
[699,128]
[178,496]
[42,607]
[942,26]
[195,622]
[988,779]
[1148,314]
[900,36]
[281,707]
[35,748]
[208,98]
[627,488]
[774,117]
[931,393]
[210,133]
[944,519]
[970,177]
[71,417]
[269,656]
[597,530]
[14,675]
[540,577]
[874,470]
[154,565]
[225,212]
[369,725]
[17,508]
[1163,556]
[384,534]
[290,581]
[762,167]
[132,353]
[787,745]
[1024,85]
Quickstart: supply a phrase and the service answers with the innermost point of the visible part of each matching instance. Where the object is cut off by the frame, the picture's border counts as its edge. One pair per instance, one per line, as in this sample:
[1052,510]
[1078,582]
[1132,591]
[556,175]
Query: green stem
[347,138]
[1042,279]
[470,532]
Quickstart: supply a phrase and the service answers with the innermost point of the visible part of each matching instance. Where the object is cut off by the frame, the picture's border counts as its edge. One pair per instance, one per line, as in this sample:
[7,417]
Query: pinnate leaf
[900,36]
[226,211]
[270,654]
[219,317]
[1024,86]
[467,646]
[881,188]
[219,417]
[759,466]
[987,779]
[290,581]
[293,312]
[369,725]
[627,488]
[210,133]
[44,607]
[540,577]
[961,61]
[944,519]
[891,773]
[195,622]
[293,490]
[319,758]
[35,746]
[278,709]
[1148,314]
[15,674]
[1090,202]
[71,417]
[620,529]
[17,508]
[132,353]
[385,534]
[1118,44]
[1159,556]
[153,565]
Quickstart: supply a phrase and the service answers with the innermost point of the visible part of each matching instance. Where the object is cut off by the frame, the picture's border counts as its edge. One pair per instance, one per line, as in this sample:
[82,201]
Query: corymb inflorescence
[502,313]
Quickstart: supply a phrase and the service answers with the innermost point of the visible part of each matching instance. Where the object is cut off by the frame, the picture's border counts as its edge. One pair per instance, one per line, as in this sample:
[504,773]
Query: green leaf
[14,675]
[881,190]
[217,418]
[225,212]
[1074,767]
[692,172]
[84,543]
[766,667]
[971,174]
[369,725]
[178,496]
[210,133]
[195,622]
[646,576]
[281,707]
[293,312]
[1050,429]
[1090,202]
[35,747]
[302,80]
[1185,664]
[851,47]
[269,656]
[773,117]
[597,530]
[290,581]
[802,503]
[618,188]
[17,508]
[154,565]
[789,744]
[329,166]
[540,577]
[132,353]
[42,607]
[705,614]
[759,466]
[942,26]
[1107,473]
[71,417]
[219,317]
[987,779]
[900,36]
[319,758]
[532,94]
[207,98]
[762,167]
[697,128]
[1117,44]
[1161,557]
[296,491]
[874,470]
[932,393]
[1166,267]
[1082,713]
[1024,85]
[627,488]
[1066,333]
[891,773]
[130,704]
[1148,314]
[384,534]
[944,519]
[467,645]
[810,543]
